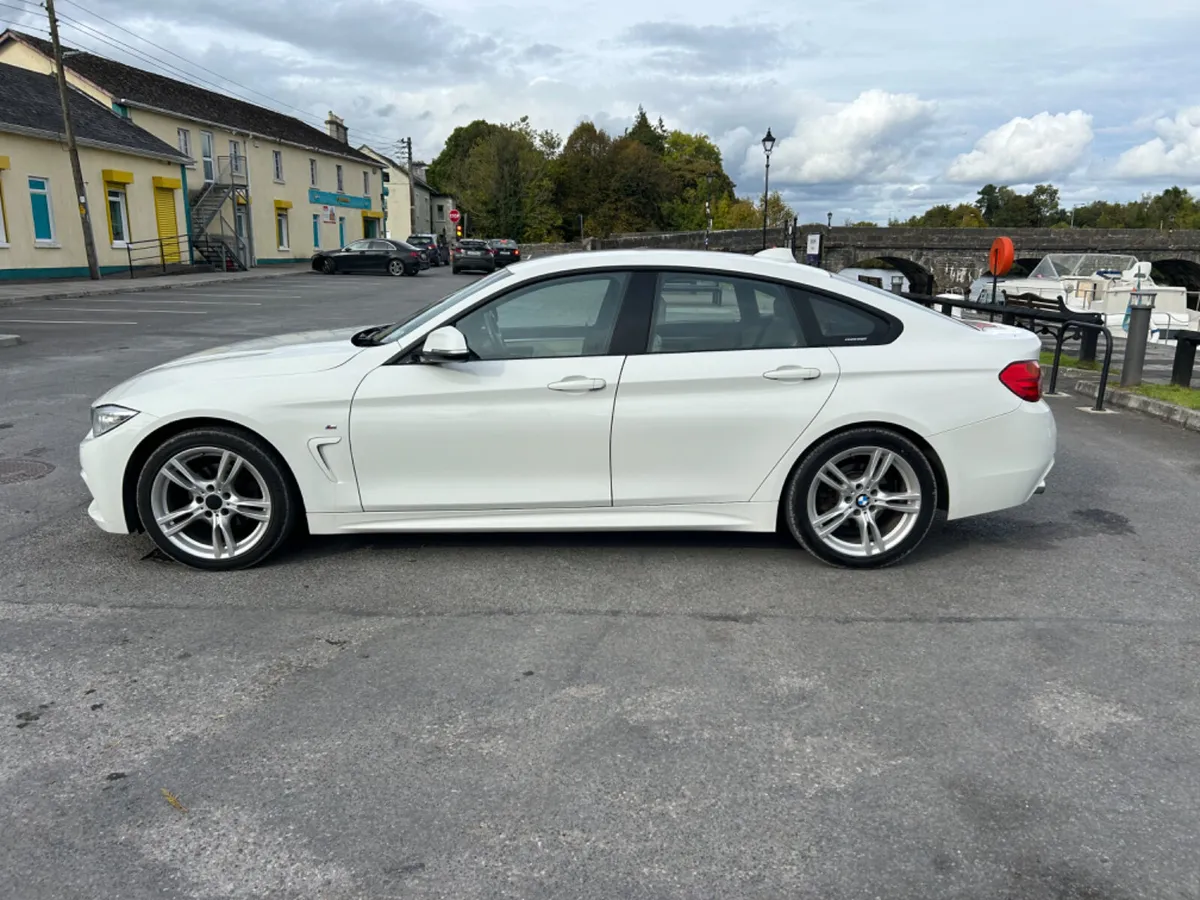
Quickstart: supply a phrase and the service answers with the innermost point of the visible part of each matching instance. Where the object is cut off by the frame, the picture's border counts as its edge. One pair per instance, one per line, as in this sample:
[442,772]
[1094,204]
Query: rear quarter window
[840,323]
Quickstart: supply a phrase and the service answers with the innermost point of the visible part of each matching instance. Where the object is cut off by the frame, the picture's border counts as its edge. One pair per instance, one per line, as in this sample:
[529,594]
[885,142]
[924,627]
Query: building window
[43,214]
[121,110]
[340,186]
[312,172]
[118,217]
[235,157]
[277,158]
[281,229]
[185,142]
[441,211]
[367,183]
[316,231]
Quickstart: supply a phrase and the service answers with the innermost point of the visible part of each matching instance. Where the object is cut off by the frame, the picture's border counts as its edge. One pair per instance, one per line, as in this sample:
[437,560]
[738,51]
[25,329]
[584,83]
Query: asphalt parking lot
[1012,713]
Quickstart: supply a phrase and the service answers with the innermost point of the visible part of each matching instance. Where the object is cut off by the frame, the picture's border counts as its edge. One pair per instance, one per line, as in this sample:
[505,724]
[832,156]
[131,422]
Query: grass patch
[1189,398]
[1071,362]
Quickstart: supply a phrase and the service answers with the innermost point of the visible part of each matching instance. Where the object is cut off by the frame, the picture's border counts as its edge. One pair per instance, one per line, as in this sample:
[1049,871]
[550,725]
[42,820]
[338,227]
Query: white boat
[1100,283]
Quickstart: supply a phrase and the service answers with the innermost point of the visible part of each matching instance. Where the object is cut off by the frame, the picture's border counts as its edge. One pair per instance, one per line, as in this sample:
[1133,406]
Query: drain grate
[14,471]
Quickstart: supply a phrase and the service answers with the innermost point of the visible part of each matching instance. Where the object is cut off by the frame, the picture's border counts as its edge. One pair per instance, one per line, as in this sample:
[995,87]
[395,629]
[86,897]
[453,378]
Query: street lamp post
[768,144]
[829,220]
[708,223]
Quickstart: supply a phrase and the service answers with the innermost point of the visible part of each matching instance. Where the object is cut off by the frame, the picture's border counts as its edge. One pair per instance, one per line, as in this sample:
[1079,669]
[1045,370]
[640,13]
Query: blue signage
[329,198]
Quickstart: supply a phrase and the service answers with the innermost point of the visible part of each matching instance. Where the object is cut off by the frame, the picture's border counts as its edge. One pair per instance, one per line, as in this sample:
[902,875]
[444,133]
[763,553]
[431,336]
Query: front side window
[281,229]
[698,312]
[277,158]
[312,172]
[360,245]
[563,317]
[340,184]
[118,217]
[43,213]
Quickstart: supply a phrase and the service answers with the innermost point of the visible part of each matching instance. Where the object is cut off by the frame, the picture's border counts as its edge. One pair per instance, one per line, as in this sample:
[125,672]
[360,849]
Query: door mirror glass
[445,344]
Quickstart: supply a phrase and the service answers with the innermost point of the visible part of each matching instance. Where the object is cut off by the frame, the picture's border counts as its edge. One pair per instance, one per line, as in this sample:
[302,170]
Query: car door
[523,424]
[726,386]
[354,258]
[377,256]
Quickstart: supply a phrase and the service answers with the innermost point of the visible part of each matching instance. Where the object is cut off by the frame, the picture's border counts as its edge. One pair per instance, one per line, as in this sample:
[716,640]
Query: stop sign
[455,215]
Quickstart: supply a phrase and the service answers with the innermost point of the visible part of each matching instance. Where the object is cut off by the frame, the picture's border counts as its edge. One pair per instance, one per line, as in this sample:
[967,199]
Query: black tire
[396,268]
[455,270]
[796,496]
[285,504]
[329,267]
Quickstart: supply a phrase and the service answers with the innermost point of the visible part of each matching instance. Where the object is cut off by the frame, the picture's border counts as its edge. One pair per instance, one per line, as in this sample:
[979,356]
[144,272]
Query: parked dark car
[474,255]
[435,245]
[378,255]
[507,251]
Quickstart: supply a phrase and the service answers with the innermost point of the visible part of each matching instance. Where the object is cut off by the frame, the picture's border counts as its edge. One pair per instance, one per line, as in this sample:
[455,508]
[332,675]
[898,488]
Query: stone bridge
[939,259]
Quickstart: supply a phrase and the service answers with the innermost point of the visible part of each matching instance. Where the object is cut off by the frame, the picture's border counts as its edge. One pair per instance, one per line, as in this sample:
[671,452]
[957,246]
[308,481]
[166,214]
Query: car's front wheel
[329,267]
[862,499]
[216,498]
[396,267]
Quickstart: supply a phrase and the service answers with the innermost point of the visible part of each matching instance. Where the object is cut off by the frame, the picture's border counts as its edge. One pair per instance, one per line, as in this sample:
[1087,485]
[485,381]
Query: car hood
[287,354]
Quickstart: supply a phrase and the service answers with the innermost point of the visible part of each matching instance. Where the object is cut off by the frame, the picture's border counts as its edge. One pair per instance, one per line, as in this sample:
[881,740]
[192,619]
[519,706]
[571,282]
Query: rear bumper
[998,463]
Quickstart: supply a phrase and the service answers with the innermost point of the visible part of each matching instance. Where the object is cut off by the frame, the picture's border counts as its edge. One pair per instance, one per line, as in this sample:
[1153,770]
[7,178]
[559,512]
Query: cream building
[133,184]
[423,211]
[261,187]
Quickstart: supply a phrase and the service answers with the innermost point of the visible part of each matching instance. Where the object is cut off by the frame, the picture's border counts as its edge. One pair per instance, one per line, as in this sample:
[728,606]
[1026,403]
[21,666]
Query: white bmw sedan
[618,390]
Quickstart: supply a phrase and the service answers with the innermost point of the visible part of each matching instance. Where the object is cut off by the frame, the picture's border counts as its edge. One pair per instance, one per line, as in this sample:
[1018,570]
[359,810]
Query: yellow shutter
[168,227]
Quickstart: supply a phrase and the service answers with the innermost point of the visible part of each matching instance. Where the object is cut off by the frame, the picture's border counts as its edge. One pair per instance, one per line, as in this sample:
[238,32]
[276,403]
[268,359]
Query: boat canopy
[1082,265]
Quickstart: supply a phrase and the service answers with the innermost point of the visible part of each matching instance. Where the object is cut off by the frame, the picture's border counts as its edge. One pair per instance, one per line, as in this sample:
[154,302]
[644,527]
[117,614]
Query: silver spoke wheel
[211,503]
[864,501]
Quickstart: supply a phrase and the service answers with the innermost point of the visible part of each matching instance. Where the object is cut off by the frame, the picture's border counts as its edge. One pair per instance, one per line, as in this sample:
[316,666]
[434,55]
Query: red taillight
[1024,379]
[416,255]
[516,253]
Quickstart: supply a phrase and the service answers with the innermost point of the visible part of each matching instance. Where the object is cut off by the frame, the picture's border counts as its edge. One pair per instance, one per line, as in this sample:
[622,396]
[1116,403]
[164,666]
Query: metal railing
[229,177]
[1046,321]
[158,256]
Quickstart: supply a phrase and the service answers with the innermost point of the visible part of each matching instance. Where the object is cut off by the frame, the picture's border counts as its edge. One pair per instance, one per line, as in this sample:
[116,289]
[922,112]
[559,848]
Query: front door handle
[578,384]
[793,373]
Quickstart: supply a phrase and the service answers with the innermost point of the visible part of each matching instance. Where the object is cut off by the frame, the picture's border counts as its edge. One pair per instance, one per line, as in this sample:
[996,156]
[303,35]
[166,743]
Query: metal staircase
[221,246]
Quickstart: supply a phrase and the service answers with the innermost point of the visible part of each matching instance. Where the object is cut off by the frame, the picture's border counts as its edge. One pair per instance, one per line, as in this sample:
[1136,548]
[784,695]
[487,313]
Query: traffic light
[458,231]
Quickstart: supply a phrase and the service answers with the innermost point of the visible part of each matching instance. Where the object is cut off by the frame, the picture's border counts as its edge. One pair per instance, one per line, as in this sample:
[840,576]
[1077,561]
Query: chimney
[337,128]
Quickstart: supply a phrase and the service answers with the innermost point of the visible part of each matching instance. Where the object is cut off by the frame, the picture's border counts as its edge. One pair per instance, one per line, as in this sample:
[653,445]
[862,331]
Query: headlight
[106,418]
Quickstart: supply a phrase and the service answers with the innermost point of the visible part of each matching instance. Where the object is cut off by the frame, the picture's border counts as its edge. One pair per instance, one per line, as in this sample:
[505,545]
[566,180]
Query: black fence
[159,256]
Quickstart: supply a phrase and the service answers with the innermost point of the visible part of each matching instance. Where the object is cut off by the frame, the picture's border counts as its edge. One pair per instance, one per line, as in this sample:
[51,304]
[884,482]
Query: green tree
[654,137]
[508,185]
[988,202]
[447,172]
[731,212]
[1043,200]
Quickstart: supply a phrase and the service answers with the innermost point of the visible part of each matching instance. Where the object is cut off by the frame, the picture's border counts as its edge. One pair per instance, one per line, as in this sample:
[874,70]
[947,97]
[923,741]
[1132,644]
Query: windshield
[401,330]
[1069,265]
[420,239]
[504,243]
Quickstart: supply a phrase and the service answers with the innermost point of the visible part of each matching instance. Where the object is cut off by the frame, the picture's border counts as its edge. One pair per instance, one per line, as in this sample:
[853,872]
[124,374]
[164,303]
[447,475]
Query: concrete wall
[66,257]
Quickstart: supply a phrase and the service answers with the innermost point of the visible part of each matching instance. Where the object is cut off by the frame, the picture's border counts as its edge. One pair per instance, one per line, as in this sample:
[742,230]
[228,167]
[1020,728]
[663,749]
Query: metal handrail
[156,251]
[1065,322]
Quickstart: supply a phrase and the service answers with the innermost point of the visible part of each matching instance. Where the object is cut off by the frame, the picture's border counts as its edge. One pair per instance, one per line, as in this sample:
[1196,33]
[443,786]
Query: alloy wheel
[864,501]
[211,503]
[395,267]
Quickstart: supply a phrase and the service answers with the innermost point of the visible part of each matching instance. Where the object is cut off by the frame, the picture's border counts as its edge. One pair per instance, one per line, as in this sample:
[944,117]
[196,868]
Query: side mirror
[445,344]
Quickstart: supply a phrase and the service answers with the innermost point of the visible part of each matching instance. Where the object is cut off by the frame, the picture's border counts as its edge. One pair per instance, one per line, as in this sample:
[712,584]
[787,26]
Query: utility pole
[412,186]
[89,240]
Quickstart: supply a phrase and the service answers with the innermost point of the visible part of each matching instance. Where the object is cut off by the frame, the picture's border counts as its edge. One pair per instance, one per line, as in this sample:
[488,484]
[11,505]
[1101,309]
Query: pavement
[1010,714]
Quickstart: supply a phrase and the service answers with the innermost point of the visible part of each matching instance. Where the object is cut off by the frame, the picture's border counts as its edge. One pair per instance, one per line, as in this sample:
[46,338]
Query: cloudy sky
[881,107]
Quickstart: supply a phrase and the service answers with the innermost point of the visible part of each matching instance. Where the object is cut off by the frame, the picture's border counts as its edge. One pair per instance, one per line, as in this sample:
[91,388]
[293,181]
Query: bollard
[1087,344]
[1141,305]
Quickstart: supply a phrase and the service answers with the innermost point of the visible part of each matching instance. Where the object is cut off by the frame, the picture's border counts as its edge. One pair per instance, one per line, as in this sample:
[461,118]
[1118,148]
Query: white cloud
[866,140]
[1027,150]
[1175,152]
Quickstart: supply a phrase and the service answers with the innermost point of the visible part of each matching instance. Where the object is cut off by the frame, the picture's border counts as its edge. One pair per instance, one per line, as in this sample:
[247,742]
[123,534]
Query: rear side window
[839,323]
[696,312]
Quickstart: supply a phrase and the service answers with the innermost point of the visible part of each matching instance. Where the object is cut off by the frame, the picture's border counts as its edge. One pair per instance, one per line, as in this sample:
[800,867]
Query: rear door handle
[792,373]
[578,384]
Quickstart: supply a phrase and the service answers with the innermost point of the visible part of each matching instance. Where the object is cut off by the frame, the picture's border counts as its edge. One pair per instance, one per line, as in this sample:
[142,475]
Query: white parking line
[65,322]
[255,294]
[88,309]
[171,301]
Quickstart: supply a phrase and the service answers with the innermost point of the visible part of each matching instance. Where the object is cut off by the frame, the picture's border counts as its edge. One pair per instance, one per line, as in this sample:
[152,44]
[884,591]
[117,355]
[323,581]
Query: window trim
[277,166]
[123,202]
[283,236]
[47,192]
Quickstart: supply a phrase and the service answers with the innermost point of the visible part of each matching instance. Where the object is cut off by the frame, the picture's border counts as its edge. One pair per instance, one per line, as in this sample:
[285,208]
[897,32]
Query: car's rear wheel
[396,268]
[862,499]
[216,498]
[329,267]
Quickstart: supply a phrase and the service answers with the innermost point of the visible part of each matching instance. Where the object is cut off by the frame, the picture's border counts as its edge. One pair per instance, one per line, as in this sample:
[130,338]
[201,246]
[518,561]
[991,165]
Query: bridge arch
[920,279]
[1181,273]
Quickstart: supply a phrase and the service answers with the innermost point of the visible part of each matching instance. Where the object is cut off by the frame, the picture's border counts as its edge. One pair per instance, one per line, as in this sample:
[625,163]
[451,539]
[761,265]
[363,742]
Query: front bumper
[103,462]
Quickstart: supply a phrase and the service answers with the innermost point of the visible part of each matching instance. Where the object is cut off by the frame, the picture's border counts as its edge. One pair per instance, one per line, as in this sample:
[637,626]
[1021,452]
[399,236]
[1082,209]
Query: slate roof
[139,87]
[403,168]
[31,101]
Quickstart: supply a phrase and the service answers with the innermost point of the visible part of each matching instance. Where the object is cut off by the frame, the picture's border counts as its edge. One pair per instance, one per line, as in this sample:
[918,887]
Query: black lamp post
[768,143]
[708,223]
[828,220]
